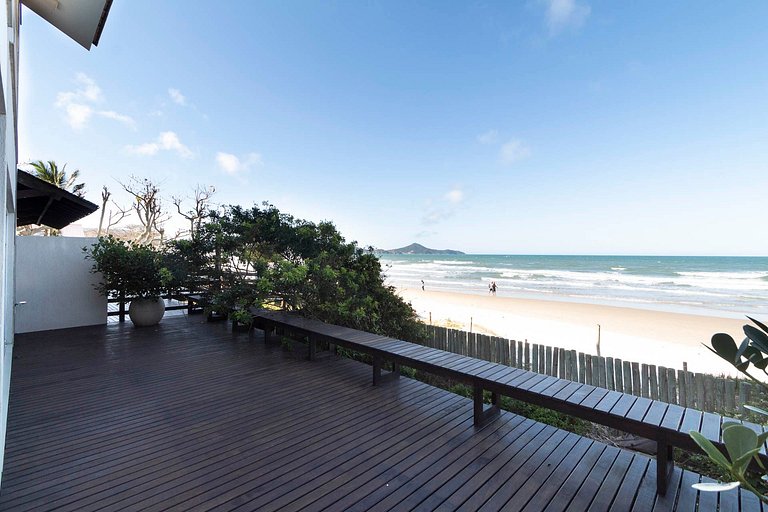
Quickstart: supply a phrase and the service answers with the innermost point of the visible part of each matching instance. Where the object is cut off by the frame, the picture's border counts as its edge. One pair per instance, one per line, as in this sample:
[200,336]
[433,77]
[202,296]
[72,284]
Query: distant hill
[417,249]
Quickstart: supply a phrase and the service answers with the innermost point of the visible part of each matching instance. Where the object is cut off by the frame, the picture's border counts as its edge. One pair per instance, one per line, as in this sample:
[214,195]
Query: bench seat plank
[580,394]
[656,413]
[608,401]
[544,384]
[568,391]
[691,420]
[710,426]
[623,406]
[594,397]
[493,374]
[673,417]
[555,388]
[639,408]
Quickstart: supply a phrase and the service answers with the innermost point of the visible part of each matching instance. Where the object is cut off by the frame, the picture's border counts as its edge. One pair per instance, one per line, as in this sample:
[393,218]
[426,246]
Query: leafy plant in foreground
[742,444]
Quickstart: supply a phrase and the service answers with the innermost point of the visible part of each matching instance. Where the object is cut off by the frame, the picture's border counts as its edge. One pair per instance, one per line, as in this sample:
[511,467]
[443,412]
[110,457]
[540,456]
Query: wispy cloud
[166,141]
[489,137]
[177,97]
[444,208]
[513,151]
[126,120]
[454,196]
[79,106]
[565,14]
[234,165]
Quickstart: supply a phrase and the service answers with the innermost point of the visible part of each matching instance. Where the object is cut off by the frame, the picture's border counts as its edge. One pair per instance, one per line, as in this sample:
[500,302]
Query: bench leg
[268,334]
[312,348]
[665,463]
[378,378]
[483,416]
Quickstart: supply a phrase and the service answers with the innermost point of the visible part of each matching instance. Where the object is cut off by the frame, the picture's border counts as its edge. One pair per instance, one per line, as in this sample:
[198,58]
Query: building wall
[9,57]
[58,290]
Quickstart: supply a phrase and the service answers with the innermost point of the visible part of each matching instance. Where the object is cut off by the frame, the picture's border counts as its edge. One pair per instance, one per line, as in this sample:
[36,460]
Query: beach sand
[637,335]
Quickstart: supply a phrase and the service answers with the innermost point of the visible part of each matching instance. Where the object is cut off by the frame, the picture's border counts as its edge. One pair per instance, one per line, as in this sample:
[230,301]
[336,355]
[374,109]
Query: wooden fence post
[636,379]
[663,385]
[627,370]
[672,382]
[599,363]
[610,380]
[654,383]
[682,386]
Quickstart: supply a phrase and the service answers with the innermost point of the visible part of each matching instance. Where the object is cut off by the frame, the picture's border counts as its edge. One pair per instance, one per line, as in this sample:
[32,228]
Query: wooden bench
[666,424]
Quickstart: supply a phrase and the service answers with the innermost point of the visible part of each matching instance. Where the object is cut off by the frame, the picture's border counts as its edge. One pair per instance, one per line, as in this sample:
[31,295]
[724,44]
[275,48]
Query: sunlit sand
[639,335]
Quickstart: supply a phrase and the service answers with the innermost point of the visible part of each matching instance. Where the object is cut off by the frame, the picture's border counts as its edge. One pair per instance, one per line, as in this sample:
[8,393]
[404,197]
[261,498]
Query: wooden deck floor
[188,416]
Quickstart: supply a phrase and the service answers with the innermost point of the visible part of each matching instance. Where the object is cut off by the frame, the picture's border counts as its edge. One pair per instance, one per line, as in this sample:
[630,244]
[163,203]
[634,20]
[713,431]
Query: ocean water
[721,286]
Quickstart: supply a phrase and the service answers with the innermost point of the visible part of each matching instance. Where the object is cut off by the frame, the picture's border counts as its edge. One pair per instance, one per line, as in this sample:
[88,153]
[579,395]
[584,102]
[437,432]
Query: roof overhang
[82,20]
[39,202]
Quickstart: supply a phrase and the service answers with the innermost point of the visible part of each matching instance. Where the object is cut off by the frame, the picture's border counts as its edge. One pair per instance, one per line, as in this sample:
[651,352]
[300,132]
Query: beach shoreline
[661,338]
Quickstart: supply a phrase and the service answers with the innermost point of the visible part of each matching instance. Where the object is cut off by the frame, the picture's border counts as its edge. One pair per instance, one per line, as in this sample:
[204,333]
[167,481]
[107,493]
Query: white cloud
[232,164]
[177,97]
[454,196]
[438,211]
[166,141]
[78,105]
[77,115]
[514,151]
[564,14]
[489,137]
[126,120]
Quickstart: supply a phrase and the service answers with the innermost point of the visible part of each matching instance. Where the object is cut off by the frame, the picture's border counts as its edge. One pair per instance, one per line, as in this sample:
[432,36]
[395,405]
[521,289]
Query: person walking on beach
[422,285]
[493,287]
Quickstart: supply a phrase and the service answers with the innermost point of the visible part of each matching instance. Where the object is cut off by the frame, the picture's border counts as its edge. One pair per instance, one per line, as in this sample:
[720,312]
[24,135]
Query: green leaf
[740,464]
[742,366]
[715,486]
[727,424]
[756,409]
[761,364]
[724,346]
[739,440]
[759,324]
[743,348]
[714,454]
[758,337]
[752,353]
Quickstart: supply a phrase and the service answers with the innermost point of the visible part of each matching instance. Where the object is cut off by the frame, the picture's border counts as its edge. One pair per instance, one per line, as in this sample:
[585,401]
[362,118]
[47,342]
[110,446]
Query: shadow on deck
[190,416]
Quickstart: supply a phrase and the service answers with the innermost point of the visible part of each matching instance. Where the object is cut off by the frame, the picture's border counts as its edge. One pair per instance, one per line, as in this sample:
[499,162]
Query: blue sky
[556,127]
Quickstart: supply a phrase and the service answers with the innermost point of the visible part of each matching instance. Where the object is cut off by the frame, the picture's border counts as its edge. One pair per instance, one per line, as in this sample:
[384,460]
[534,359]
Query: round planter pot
[146,312]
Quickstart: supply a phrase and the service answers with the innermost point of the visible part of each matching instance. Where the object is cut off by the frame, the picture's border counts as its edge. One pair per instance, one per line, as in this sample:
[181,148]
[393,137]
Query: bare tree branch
[148,207]
[200,211]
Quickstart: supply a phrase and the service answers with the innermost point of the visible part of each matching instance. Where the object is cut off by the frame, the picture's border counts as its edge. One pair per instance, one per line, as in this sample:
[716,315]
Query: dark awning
[39,202]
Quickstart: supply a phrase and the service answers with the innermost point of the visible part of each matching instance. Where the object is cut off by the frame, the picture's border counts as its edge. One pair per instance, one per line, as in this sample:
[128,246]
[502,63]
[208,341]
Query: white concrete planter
[146,312]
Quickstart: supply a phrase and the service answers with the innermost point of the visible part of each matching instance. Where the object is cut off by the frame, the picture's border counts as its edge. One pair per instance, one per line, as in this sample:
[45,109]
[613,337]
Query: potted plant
[132,271]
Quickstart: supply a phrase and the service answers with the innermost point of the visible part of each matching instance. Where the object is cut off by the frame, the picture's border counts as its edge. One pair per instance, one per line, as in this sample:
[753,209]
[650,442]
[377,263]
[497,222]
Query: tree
[201,209]
[148,207]
[264,253]
[114,217]
[49,171]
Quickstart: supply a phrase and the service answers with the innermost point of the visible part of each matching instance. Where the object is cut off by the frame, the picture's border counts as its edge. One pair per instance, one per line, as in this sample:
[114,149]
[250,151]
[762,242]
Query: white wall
[9,58]
[55,280]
